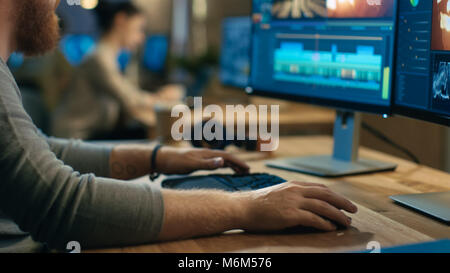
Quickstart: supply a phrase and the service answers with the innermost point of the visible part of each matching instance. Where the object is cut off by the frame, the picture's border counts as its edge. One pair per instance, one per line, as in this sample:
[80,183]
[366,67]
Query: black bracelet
[153,174]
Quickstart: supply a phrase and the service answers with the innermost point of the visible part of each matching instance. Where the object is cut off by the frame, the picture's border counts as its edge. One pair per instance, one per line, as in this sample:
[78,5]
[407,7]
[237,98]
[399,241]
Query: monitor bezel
[334,104]
[423,115]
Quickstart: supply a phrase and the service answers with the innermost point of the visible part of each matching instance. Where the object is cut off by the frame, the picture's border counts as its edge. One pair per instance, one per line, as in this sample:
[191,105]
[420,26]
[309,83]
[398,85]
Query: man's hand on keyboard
[185,161]
[295,204]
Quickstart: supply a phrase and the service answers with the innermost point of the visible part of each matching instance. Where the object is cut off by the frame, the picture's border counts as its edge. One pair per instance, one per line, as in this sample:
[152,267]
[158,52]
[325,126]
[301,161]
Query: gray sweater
[51,191]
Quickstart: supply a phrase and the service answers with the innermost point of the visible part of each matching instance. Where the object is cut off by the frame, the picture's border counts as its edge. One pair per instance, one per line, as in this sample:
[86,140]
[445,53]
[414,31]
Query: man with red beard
[50,196]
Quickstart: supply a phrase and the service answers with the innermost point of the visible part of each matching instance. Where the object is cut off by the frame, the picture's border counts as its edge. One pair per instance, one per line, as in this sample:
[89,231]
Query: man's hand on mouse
[295,204]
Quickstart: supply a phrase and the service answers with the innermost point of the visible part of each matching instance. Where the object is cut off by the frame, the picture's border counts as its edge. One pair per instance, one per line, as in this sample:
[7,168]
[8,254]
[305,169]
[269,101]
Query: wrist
[161,160]
[243,207]
[129,161]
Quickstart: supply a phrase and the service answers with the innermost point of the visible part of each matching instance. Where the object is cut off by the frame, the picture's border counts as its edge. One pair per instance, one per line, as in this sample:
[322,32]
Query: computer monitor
[423,61]
[16,60]
[124,59]
[77,46]
[156,50]
[423,81]
[336,53]
[235,52]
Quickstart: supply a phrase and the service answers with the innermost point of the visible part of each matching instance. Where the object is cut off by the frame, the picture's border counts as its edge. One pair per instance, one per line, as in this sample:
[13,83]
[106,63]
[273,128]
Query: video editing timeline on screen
[235,59]
[358,69]
[325,49]
[424,34]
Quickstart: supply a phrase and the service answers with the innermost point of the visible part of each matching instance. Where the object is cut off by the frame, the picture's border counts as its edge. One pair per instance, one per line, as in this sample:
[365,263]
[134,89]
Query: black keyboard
[224,182]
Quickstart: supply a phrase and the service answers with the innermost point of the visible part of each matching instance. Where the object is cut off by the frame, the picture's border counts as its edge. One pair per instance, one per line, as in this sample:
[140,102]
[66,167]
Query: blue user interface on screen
[423,57]
[336,50]
[156,50]
[76,47]
[235,53]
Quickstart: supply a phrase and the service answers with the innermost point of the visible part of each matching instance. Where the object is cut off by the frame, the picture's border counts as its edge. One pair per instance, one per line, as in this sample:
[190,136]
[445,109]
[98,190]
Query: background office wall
[210,25]
[159,13]
[79,20]
[220,9]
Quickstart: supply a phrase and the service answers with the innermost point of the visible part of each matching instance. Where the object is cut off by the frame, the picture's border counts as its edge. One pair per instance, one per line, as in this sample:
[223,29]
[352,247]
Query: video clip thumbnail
[299,9]
[360,8]
[441,25]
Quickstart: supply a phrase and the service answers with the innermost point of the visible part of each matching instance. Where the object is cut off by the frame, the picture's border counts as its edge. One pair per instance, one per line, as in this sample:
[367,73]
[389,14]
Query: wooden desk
[378,219]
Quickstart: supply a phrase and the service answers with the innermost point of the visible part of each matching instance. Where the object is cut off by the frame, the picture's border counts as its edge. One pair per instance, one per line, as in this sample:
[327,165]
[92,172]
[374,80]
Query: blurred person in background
[100,99]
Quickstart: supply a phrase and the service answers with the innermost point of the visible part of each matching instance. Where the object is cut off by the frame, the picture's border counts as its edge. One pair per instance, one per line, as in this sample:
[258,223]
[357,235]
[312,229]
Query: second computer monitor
[423,61]
[156,51]
[76,47]
[334,53]
[235,52]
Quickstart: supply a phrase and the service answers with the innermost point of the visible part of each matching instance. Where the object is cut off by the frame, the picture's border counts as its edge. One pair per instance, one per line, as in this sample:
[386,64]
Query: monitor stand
[344,160]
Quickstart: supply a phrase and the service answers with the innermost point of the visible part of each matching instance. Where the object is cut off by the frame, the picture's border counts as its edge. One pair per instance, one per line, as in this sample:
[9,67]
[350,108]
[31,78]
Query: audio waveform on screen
[441,82]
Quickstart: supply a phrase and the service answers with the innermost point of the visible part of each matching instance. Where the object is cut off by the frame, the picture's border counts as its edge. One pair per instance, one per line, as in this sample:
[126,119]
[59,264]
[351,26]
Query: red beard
[37,29]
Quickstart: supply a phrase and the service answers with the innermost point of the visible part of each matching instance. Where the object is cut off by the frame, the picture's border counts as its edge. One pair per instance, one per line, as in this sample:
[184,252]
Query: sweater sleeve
[56,204]
[81,156]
